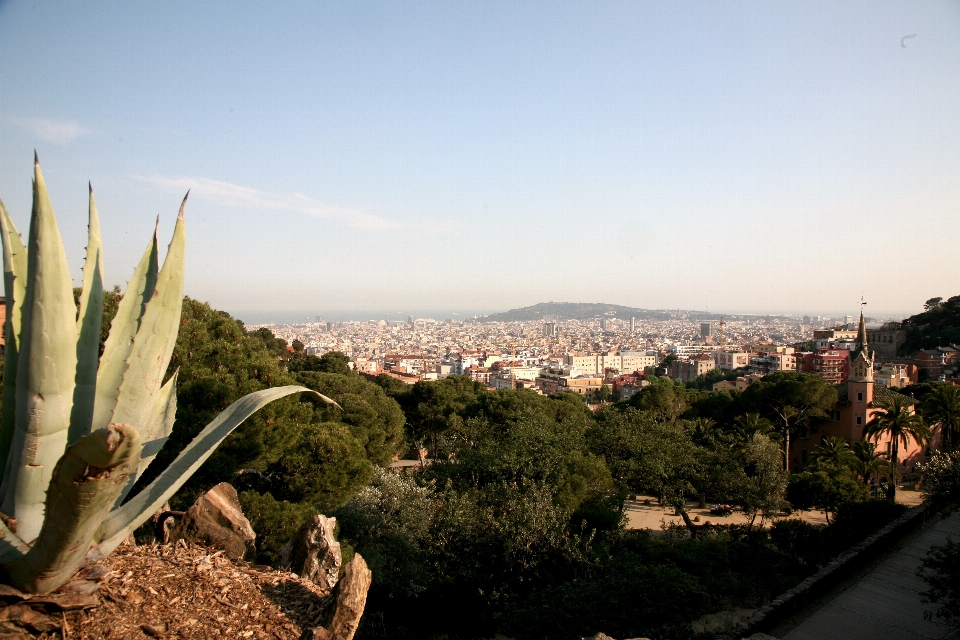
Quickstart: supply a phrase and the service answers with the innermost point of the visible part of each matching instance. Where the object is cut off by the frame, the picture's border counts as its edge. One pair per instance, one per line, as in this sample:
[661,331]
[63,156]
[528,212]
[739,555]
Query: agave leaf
[46,369]
[156,337]
[11,546]
[156,431]
[88,327]
[123,329]
[125,519]
[14,285]
[86,482]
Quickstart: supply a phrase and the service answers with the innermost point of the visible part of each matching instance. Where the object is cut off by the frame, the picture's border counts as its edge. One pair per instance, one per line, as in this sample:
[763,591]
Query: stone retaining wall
[837,570]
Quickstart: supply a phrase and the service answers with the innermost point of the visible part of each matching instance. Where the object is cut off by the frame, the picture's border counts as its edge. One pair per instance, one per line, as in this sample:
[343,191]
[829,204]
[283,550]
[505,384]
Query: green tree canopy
[375,420]
[938,324]
[941,407]
[789,400]
[219,362]
[433,407]
[825,490]
[330,362]
[765,487]
[664,398]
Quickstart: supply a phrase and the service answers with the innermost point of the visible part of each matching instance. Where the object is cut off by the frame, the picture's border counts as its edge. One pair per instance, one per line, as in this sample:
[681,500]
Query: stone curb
[792,600]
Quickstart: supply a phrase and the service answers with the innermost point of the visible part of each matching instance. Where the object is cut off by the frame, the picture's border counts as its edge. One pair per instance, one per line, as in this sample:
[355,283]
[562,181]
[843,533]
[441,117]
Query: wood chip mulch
[168,591]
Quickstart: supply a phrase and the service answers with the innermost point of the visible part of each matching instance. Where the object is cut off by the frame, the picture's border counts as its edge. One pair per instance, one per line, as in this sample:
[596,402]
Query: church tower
[860,384]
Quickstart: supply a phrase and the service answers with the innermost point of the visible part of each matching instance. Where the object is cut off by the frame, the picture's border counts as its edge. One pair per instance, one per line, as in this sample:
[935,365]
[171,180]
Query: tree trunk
[681,509]
[895,450]
[786,464]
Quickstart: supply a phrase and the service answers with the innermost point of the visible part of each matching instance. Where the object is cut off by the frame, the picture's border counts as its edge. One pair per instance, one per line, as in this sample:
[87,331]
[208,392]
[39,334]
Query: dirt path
[652,517]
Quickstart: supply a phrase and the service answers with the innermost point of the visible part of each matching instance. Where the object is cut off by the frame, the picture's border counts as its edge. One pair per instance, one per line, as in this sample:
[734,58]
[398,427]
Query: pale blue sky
[356,155]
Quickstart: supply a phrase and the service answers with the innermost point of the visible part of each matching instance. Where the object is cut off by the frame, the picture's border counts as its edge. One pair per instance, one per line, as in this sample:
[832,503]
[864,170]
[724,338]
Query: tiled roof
[879,393]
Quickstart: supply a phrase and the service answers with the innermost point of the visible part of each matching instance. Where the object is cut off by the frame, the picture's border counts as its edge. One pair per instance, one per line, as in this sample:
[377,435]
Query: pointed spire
[862,336]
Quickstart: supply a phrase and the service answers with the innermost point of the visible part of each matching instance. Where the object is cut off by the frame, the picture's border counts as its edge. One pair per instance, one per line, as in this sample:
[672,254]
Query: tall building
[633,324]
[550,329]
[706,329]
[603,324]
[411,322]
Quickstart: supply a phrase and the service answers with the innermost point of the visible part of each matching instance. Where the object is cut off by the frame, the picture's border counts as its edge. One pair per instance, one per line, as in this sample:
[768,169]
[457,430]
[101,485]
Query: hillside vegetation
[937,325]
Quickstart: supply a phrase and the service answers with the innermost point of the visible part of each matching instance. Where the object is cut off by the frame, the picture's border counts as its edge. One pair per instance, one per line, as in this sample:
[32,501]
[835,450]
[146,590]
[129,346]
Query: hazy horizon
[490,155]
[297,316]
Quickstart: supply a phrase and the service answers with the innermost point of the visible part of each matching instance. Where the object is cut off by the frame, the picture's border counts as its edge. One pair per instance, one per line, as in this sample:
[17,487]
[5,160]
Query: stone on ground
[313,553]
[351,598]
[216,520]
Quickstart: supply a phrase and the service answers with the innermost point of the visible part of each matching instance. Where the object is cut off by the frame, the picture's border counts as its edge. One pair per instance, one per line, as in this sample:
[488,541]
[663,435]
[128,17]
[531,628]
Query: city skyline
[486,156]
[305,316]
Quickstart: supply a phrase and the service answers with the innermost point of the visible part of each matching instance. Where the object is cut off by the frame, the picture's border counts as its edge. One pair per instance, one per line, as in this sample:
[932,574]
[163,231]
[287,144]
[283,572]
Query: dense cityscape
[584,354]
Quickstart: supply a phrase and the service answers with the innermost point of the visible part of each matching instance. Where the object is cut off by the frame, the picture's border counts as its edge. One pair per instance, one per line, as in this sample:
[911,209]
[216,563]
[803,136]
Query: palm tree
[702,430]
[942,407]
[896,420]
[833,452]
[751,424]
[869,462]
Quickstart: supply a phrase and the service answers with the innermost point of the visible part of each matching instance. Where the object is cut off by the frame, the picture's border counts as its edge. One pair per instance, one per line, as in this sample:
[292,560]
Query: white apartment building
[765,363]
[624,362]
[892,375]
[730,360]
[522,373]
[683,350]
[834,338]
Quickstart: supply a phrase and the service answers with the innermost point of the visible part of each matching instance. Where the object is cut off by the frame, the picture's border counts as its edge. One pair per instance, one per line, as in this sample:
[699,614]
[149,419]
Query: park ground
[645,513]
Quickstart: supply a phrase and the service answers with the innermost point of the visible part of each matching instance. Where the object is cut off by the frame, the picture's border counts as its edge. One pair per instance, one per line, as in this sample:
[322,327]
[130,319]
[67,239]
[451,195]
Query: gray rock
[313,553]
[216,520]
[351,598]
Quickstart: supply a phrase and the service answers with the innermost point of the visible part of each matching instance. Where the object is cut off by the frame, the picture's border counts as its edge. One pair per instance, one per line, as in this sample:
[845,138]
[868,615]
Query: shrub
[800,540]
[856,520]
[389,523]
[940,569]
[274,521]
[942,476]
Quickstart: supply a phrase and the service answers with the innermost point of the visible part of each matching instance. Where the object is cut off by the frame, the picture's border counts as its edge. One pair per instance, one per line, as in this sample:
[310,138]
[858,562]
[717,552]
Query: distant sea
[392,315]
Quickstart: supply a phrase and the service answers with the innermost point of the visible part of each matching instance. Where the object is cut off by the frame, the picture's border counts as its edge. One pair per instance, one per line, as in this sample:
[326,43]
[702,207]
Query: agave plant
[78,428]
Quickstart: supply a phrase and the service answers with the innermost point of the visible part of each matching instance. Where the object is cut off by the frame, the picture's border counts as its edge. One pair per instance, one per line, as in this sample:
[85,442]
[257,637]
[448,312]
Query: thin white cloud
[227,194]
[55,131]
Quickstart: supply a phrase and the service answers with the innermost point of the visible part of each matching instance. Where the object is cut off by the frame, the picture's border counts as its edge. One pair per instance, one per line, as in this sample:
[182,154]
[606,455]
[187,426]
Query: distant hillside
[587,310]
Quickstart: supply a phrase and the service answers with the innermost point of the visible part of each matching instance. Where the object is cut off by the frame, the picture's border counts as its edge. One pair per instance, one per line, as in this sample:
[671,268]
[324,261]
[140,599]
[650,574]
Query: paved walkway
[884,604]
